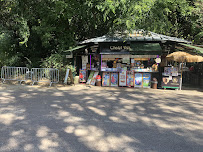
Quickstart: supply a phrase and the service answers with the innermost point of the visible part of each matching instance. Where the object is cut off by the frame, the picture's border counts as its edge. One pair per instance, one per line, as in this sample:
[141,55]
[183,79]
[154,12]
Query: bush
[59,62]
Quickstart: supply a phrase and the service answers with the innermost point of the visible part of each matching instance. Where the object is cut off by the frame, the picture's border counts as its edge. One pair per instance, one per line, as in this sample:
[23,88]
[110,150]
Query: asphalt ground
[84,119]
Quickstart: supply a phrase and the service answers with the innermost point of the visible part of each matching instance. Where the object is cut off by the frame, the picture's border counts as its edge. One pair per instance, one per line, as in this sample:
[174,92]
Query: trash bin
[98,80]
[154,83]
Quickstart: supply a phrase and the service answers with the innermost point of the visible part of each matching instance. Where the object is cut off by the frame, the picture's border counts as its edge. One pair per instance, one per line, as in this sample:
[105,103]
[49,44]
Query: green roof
[135,36]
[145,48]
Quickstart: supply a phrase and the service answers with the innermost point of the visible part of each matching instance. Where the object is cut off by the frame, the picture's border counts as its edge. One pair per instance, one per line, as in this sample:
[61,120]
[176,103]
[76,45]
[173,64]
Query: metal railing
[14,73]
[44,75]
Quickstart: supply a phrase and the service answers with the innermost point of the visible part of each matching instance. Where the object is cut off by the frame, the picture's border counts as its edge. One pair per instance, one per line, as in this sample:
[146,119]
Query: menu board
[106,79]
[138,80]
[82,75]
[90,77]
[146,80]
[114,79]
[171,71]
[171,82]
[123,78]
[130,78]
[93,79]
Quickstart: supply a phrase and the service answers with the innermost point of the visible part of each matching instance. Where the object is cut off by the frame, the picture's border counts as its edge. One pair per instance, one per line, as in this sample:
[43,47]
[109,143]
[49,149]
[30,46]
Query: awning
[193,47]
[78,48]
[145,49]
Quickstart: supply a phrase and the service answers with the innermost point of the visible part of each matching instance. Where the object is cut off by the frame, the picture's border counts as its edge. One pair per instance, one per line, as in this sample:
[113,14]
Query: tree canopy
[31,31]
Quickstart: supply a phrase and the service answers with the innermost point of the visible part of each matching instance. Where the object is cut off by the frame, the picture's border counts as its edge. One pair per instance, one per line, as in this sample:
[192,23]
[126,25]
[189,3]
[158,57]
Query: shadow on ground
[99,119]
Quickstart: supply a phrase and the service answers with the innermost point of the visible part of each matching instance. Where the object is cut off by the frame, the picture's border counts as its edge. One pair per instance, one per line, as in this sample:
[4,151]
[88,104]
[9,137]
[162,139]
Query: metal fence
[14,73]
[44,75]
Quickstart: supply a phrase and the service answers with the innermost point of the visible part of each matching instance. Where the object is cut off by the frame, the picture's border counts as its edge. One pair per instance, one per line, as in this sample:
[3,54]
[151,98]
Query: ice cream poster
[130,78]
[106,79]
[146,80]
[138,80]
[82,75]
[114,79]
[122,78]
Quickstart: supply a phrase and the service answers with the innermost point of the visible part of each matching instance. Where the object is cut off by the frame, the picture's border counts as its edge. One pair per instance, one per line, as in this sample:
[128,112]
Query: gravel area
[85,118]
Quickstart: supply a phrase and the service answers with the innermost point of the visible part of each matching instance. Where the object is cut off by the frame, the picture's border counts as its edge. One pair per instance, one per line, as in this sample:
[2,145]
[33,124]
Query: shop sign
[69,56]
[120,48]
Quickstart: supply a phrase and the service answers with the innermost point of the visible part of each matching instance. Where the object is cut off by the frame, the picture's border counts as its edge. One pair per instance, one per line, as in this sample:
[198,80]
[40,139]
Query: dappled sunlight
[74,120]
[28,147]
[6,100]
[98,119]
[25,95]
[11,144]
[125,114]
[48,140]
[56,106]
[116,119]
[46,144]
[10,114]
[58,94]
[9,118]
[112,98]
[68,118]
[62,113]
[87,98]
[42,131]
[18,133]
[77,107]
[126,101]
[178,109]
[56,101]
[97,111]
[91,102]
[140,109]
[96,139]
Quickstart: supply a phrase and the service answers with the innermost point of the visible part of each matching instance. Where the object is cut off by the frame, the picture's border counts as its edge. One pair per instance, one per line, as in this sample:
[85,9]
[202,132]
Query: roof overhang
[75,49]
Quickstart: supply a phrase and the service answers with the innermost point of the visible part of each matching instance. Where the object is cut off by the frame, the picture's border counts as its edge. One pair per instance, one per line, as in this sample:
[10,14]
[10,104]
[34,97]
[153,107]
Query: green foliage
[35,30]
[59,62]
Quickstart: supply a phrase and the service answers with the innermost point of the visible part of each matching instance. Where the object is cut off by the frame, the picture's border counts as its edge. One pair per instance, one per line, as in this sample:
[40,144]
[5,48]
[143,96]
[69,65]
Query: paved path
[83,119]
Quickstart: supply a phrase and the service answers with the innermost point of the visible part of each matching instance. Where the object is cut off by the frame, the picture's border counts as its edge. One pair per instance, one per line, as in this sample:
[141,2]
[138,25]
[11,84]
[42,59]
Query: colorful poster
[90,77]
[171,71]
[93,80]
[105,79]
[130,79]
[114,79]
[82,75]
[138,80]
[171,83]
[122,78]
[146,80]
